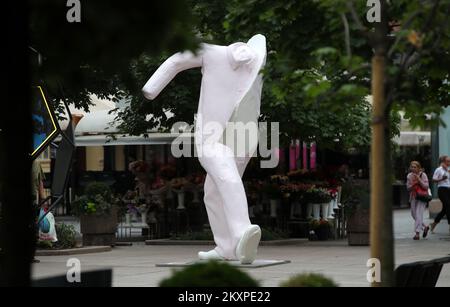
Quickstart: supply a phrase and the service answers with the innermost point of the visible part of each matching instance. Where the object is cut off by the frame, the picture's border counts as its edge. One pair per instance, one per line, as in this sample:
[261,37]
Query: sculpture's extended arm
[168,70]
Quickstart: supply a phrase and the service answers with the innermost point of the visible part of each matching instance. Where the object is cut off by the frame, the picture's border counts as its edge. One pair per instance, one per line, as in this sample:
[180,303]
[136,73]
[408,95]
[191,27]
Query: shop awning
[104,140]
[413,138]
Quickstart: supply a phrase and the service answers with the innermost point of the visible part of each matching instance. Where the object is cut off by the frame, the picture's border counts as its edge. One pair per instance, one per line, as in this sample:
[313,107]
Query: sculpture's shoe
[248,245]
[210,255]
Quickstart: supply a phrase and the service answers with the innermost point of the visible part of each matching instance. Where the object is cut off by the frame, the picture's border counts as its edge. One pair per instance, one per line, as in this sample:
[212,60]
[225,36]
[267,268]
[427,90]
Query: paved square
[259,263]
[135,266]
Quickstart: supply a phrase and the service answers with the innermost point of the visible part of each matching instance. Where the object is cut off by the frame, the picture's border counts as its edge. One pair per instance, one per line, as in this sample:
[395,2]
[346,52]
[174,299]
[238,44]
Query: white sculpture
[230,93]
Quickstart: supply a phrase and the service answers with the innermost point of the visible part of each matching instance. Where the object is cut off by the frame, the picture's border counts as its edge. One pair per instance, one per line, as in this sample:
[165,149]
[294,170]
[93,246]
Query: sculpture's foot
[248,245]
[210,255]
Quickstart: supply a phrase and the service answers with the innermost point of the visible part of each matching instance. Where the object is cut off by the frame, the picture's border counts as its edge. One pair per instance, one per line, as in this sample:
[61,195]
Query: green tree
[303,69]
[297,79]
[300,73]
[181,96]
[94,56]
[408,51]
[409,48]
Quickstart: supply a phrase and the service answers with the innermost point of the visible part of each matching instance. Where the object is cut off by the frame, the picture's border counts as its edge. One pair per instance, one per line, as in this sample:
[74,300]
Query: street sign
[45,126]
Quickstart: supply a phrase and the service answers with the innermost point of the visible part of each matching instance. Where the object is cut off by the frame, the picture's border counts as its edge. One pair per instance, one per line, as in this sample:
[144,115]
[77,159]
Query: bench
[420,273]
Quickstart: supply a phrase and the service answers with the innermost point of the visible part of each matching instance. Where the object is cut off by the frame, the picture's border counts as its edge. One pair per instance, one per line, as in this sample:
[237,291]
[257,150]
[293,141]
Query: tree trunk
[381,236]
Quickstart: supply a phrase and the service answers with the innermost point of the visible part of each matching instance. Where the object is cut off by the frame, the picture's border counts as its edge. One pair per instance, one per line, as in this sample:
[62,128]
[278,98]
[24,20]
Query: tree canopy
[94,55]
[296,74]
[317,76]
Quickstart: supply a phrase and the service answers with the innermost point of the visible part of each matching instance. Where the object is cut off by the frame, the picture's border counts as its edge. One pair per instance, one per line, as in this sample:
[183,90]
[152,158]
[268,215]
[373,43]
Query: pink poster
[313,155]
[305,158]
[292,158]
[280,157]
[297,154]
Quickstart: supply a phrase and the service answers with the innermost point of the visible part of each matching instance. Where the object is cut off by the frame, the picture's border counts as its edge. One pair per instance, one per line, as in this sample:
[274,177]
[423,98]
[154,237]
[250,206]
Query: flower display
[157,184]
[168,171]
[132,209]
[179,183]
[139,167]
[317,195]
[279,179]
[333,192]
[97,199]
[295,188]
[197,178]
[318,224]
[297,174]
[320,229]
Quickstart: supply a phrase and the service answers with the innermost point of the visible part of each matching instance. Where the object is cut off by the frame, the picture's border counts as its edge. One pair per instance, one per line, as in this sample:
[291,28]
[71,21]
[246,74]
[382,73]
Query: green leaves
[325,51]
[319,88]
[94,56]
[312,86]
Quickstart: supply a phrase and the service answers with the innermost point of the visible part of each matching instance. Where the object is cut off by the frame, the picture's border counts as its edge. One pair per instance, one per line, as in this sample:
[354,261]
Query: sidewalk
[135,265]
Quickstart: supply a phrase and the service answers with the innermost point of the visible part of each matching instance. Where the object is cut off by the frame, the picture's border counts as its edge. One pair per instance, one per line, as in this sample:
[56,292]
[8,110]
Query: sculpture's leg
[215,211]
[225,172]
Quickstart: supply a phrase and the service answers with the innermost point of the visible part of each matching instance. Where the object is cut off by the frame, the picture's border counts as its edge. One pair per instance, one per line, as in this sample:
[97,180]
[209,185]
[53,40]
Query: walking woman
[417,178]
[441,177]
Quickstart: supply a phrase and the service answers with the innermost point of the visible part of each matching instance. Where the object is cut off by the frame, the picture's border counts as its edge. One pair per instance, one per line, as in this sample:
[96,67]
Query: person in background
[414,178]
[37,192]
[441,177]
[37,183]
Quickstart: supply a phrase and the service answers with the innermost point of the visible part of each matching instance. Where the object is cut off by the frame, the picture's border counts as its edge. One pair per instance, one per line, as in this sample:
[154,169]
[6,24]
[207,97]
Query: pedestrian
[38,195]
[415,179]
[442,178]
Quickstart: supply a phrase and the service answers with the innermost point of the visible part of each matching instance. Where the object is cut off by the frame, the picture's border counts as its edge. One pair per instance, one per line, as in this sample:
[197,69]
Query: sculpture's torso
[229,93]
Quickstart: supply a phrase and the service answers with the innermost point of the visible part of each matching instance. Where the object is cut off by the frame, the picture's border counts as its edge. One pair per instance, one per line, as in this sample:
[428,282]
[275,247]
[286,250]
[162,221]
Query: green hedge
[308,280]
[210,274]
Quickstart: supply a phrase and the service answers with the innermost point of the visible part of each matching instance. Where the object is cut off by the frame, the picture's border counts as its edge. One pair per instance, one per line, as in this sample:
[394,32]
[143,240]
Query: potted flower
[128,201]
[318,197]
[297,174]
[132,212]
[98,215]
[334,192]
[158,189]
[178,186]
[273,192]
[320,228]
[143,209]
[291,194]
[143,176]
[195,184]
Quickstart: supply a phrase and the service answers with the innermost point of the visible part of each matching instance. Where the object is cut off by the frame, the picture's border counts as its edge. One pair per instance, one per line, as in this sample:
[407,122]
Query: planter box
[358,238]
[99,229]
[323,234]
[358,228]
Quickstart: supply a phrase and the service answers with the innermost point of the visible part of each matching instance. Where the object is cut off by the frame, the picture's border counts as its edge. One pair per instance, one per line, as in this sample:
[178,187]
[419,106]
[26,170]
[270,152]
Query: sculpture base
[259,263]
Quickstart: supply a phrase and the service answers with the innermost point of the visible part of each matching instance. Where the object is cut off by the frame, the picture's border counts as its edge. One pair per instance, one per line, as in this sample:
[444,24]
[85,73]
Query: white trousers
[417,210]
[225,198]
